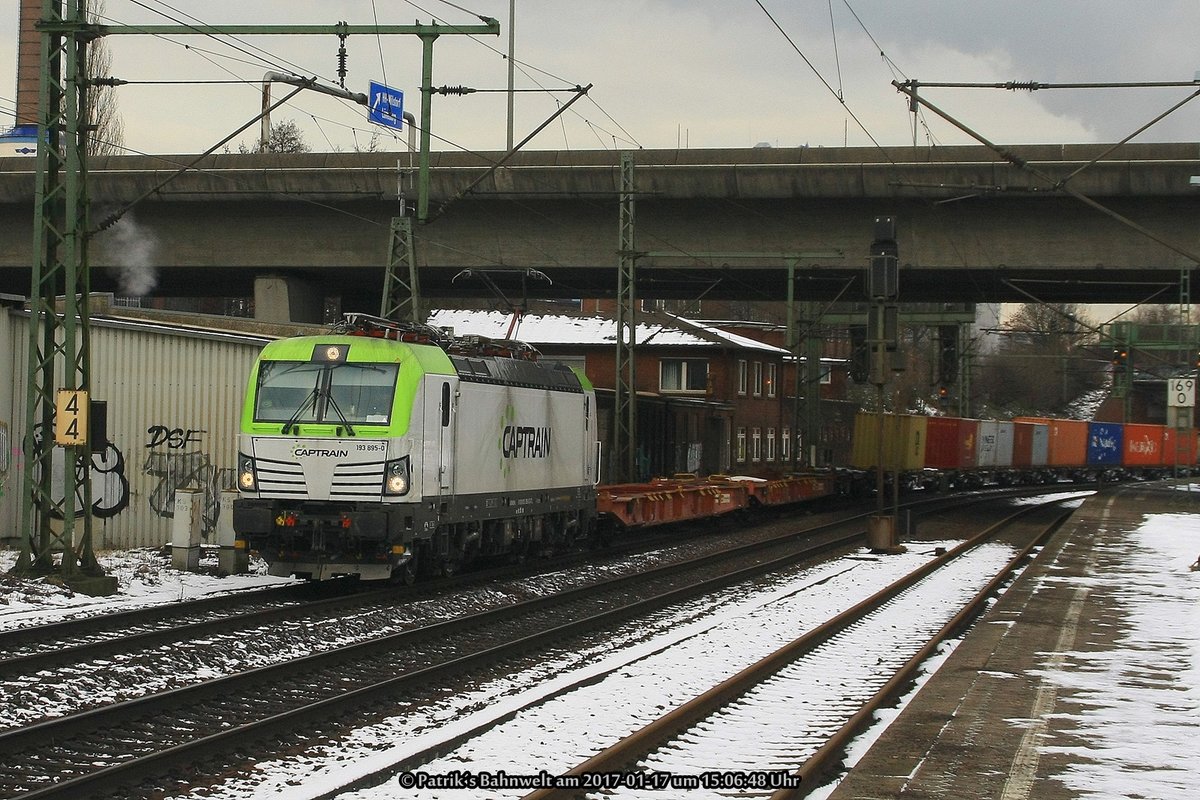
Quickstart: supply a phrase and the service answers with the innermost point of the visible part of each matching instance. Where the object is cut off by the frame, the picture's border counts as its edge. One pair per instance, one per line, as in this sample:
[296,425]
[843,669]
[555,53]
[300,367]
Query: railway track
[739,722]
[35,648]
[118,746]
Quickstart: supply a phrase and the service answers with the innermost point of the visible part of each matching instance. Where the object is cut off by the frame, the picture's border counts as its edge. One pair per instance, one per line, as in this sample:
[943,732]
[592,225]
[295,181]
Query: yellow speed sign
[70,417]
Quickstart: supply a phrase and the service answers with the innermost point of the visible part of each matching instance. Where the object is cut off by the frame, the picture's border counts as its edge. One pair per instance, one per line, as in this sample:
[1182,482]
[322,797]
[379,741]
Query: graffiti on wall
[177,470]
[109,486]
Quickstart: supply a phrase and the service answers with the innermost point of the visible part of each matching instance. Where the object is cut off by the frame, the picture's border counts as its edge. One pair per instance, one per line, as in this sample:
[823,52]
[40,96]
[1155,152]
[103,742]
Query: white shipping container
[1004,445]
[173,396]
[1041,445]
[985,444]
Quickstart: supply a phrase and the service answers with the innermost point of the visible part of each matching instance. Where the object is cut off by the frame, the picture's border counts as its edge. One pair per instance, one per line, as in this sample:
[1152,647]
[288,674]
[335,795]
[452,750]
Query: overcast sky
[669,73]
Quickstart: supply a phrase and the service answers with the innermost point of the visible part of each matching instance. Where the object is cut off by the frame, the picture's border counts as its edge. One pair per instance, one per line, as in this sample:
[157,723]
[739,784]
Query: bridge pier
[279,298]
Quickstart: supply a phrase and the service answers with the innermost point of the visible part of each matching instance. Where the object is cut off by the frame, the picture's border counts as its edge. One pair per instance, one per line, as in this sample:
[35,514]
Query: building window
[770,444]
[785,442]
[771,375]
[758,379]
[826,372]
[683,375]
[756,445]
[742,377]
[741,445]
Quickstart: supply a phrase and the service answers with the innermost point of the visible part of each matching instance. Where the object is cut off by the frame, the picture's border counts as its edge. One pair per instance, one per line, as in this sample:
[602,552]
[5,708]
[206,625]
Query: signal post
[883,332]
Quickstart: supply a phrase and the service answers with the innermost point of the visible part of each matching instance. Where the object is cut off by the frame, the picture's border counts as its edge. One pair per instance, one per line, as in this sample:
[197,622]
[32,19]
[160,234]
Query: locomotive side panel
[511,438]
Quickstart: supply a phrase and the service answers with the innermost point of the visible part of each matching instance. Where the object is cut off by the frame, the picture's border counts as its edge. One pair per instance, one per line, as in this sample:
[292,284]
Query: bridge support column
[278,298]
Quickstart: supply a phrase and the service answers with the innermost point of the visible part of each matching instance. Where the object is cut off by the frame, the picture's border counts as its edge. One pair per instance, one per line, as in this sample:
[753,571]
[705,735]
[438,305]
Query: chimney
[29,57]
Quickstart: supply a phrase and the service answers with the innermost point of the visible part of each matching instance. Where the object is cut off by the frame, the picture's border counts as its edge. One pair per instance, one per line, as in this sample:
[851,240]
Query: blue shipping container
[1106,442]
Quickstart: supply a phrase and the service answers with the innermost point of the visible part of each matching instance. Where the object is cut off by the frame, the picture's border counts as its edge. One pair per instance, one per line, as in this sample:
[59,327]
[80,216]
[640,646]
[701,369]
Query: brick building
[709,400]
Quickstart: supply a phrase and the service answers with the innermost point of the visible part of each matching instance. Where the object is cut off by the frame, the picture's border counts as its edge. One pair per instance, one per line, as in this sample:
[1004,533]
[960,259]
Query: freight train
[385,450]
[951,452]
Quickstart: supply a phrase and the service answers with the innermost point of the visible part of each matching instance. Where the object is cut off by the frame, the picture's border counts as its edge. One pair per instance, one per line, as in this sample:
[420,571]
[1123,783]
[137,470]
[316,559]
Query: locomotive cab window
[336,392]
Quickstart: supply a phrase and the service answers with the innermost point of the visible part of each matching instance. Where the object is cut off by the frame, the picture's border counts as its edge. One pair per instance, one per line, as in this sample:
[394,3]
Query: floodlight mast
[59,340]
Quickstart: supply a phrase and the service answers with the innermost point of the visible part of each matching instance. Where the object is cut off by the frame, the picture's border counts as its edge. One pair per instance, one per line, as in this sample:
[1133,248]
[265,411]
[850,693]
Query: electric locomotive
[387,449]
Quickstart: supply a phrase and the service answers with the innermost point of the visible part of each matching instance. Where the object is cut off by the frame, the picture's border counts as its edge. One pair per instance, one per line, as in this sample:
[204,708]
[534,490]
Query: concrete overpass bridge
[715,223]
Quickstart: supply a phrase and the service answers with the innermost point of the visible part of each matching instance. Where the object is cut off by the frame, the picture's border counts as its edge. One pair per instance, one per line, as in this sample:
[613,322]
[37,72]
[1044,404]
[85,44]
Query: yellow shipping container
[903,441]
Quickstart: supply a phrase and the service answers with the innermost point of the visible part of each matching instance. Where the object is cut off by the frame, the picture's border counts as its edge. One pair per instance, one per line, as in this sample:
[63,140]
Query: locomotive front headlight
[247,480]
[395,477]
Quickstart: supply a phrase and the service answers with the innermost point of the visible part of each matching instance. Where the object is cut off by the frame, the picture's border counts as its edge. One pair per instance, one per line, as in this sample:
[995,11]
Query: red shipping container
[950,443]
[1022,444]
[968,442]
[1068,443]
[1146,445]
[1185,454]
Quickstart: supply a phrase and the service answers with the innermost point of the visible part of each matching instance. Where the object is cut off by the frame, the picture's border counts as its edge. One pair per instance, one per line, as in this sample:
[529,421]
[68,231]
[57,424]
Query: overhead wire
[837,61]
[525,68]
[862,126]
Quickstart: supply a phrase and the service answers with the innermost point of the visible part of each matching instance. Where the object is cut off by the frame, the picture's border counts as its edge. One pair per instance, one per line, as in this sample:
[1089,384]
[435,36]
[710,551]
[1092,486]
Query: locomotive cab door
[445,437]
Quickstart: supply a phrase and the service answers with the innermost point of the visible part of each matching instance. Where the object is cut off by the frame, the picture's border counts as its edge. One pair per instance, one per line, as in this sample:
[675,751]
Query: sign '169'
[1181,393]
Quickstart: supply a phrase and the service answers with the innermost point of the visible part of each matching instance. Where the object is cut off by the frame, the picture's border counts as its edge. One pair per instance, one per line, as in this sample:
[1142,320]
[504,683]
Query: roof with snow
[545,329]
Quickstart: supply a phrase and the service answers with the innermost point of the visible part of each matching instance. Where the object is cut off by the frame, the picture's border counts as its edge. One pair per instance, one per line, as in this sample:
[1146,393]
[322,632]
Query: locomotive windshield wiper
[333,404]
[291,424]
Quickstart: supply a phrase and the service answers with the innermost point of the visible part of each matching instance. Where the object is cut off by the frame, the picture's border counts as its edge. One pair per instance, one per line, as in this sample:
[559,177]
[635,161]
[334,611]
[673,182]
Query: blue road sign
[386,106]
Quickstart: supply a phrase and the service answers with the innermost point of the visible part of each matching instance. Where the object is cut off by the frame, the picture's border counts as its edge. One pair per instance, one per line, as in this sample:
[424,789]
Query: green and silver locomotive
[385,450]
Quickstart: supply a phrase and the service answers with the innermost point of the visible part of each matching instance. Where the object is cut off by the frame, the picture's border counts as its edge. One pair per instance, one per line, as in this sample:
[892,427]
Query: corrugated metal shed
[174,396]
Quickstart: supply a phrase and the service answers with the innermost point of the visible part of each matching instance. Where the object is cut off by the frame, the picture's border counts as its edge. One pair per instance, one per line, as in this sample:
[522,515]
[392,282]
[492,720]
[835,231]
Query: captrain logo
[521,441]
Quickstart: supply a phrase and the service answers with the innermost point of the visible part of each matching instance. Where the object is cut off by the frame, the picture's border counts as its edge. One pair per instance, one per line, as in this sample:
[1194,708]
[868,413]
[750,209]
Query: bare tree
[1044,363]
[285,137]
[1164,314]
[101,117]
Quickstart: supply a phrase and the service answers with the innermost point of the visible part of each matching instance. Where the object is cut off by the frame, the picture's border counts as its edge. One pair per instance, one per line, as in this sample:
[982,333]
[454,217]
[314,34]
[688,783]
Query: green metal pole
[427,41]
[624,449]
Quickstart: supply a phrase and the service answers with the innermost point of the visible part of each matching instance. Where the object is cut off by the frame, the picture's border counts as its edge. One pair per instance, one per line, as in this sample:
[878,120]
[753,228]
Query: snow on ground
[556,715]
[1139,709]
[1137,704]
[144,578]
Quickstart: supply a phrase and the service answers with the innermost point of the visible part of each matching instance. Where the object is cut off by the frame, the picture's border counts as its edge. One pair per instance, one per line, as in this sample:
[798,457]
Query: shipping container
[951,443]
[1106,443]
[1004,445]
[1146,445]
[985,447]
[173,396]
[903,441]
[1040,452]
[994,445]
[1067,442]
[1030,441]
[1183,453]
[1023,444]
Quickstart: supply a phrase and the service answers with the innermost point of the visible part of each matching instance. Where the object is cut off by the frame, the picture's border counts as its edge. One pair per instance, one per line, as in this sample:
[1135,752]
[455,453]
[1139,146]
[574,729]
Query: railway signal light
[948,352]
[1120,357]
[943,396]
